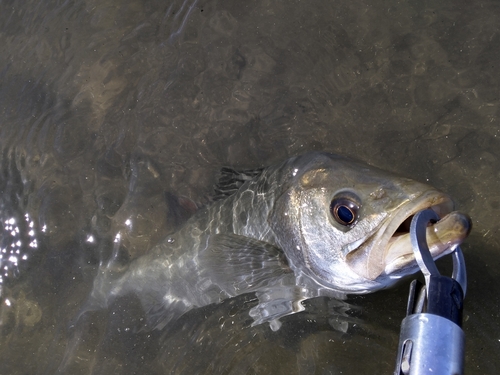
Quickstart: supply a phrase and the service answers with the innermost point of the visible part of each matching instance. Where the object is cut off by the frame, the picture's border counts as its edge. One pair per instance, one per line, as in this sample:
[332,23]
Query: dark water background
[110,110]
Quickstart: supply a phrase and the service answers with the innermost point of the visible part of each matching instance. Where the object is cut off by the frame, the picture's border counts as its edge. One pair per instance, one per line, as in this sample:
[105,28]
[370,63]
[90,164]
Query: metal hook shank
[418,228]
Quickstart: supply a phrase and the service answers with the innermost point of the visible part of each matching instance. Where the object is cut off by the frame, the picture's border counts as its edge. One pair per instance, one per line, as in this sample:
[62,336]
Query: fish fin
[286,299]
[275,303]
[239,264]
[230,180]
[280,302]
[236,264]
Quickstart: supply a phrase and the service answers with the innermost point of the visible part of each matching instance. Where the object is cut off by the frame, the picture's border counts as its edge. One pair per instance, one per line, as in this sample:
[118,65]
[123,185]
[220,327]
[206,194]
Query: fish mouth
[389,251]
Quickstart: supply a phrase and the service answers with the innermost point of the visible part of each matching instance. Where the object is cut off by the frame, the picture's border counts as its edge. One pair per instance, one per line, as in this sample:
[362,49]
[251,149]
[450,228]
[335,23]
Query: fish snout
[442,238]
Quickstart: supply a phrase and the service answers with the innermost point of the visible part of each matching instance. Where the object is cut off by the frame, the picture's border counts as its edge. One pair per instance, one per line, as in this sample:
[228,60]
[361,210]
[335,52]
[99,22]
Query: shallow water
[111,111]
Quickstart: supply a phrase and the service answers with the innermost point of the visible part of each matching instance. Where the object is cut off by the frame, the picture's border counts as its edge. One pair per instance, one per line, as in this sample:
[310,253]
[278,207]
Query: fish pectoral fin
[276,303]
[239,264]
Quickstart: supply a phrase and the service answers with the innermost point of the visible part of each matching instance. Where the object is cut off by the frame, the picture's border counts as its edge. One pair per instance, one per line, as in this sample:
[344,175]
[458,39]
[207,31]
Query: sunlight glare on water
[16,246]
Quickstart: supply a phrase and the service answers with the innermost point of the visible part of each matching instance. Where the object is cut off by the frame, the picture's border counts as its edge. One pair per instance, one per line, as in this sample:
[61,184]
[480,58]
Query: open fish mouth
[390,250]
[442,237]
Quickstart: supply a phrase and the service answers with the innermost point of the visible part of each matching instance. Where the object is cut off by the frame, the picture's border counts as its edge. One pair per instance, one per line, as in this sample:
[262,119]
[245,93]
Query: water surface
[112,112]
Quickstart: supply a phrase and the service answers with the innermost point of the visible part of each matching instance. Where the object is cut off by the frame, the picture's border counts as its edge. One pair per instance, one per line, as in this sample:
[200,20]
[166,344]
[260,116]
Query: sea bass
[315,225]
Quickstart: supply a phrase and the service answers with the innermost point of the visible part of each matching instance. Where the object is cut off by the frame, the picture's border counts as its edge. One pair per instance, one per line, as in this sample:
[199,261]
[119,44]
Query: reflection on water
[115,119]
[16,247]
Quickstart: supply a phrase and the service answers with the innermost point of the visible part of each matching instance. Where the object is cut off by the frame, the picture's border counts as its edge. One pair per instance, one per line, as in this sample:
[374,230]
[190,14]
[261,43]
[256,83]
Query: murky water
[116,111]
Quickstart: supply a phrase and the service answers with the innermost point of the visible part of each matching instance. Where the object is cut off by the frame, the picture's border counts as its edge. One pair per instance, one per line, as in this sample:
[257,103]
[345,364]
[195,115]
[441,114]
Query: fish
[317,224]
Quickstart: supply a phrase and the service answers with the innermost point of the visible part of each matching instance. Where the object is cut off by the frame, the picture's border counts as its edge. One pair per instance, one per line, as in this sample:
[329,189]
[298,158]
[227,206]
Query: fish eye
[344,209]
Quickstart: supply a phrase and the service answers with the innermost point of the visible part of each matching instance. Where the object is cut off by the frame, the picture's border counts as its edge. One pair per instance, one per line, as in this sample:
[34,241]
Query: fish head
[345,224]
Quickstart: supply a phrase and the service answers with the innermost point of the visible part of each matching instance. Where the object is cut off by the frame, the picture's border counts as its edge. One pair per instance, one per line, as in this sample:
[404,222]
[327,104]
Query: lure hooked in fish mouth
[389,251]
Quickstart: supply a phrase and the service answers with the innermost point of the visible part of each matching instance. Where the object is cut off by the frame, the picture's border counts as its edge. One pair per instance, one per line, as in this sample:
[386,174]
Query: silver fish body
[316,224]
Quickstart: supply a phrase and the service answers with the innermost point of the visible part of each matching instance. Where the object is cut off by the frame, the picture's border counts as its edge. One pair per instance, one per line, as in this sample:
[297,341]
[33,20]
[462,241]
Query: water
[112,111]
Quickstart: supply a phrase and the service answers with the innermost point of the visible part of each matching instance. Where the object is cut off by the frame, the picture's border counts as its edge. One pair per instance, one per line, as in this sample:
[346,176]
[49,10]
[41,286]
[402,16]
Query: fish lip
[374,264]
[439,202]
